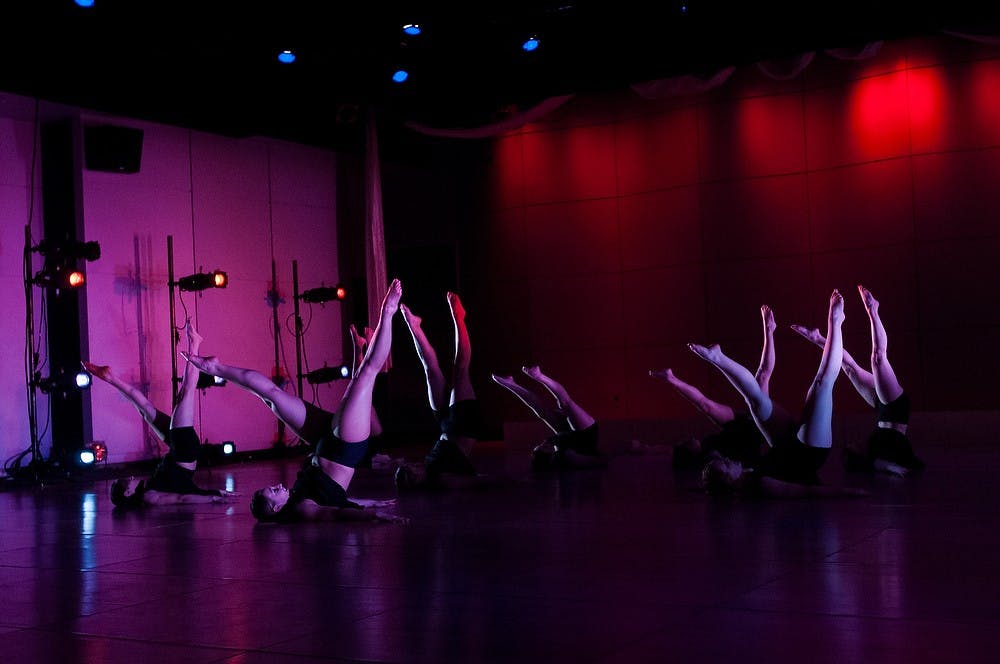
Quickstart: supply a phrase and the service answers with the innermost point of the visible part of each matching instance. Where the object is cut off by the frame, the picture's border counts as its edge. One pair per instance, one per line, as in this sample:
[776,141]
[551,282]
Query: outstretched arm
[885,466]
[309,510]
[773,488]
[153,497]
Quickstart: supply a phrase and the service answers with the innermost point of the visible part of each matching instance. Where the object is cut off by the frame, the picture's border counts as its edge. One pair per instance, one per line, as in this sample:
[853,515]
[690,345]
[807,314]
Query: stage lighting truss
[202,281]
[96,452]
[328,374]
[60,269]
[324,294]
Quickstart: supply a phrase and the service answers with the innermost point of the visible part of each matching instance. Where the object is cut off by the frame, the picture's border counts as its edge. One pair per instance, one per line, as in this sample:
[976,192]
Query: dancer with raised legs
[738,437]
[887,449]
[341,439]
[172,482]
[455,407]
[574,443]
[799,446]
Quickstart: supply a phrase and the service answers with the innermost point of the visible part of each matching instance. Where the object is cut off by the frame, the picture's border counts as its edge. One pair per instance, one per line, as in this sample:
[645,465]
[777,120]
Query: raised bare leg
[817,415]
[183,415]
[353,421]
[437,388]
[461,384]
[766,366]
[862,380]
[134,396]
[886,384]
[578,418]
[771,420]
[289,408]
[713,410]
[360,342]
[551,416]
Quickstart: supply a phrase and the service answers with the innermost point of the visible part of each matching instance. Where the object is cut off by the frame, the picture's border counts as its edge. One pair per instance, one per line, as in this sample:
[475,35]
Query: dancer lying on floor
[798,447]
[887,449]
[320,490]
[573,443]
[738,437]
[172,481]
[455,407]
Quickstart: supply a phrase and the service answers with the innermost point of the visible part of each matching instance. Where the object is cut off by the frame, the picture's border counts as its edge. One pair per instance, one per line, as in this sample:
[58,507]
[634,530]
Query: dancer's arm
[885,466]
[773,488]
[153,497]
[309,510]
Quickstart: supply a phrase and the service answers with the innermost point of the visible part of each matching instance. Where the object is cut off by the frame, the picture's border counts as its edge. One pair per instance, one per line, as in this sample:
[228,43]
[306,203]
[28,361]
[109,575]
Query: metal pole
[276,376]
[298,326]
[173,326]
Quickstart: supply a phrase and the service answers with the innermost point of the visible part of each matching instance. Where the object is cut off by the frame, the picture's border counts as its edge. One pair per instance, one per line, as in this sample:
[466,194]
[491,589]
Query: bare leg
[289,408]
[353,422]
[771,420]
[713,410]
[183,415]
[886,385]
[551,416]
[766,366]
[461,384]
[436,386]
[360,342]
[135,396]
[861,379]
[578,418]
[817,415]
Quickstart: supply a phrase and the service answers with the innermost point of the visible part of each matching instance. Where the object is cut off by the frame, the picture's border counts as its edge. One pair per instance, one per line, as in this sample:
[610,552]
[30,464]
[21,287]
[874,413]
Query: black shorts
[462,419]
[794,461]
[318,424]
[333,448]
[583,441]
[893,446]
[446,457]
[184,444]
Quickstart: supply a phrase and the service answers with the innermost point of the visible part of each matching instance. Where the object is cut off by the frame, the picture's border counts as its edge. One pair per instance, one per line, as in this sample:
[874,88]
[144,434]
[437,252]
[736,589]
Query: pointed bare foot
[359,341]
[457,309]
[506,381]
[412,320]
[871,304]
[193,338]
[836,307]
[810,334]
[665,374]
[209,365]
[711,353]
[390,305]
[98,370]
[532,371]
[768,317]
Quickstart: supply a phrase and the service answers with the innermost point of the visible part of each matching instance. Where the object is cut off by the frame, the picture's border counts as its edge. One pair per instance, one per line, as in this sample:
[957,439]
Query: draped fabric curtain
[516,121]
[375,270]
[681,85]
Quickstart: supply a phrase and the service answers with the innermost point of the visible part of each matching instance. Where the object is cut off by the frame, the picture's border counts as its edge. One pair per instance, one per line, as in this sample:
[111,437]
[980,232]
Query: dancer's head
[267,504]
[127,492]
[721,475]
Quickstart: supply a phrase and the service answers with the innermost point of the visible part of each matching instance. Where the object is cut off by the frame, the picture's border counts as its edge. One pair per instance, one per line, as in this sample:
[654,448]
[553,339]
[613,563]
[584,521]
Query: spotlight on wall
[228,447]
[328,374]
[202,281]
[208,380]
[62,382]
[215,453]
[324,294]
[60,276]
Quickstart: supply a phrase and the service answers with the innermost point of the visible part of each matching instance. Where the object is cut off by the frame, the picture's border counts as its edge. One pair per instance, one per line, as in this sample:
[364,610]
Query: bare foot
[532,371]
[193,338]
[836,307]
[412,320]
[209,365]
[665,374]
[810,334]
[390,305]
[506,381]
[359,341]
[871,304]
[711,353]
[457,310]
[768,316]
[101,371]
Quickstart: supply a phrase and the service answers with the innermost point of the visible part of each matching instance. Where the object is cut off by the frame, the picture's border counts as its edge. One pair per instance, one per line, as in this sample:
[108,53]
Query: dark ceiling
[211,64]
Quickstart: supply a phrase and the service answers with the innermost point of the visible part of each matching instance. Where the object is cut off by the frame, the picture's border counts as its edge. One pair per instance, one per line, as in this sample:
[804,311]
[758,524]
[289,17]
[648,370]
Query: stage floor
[630,564]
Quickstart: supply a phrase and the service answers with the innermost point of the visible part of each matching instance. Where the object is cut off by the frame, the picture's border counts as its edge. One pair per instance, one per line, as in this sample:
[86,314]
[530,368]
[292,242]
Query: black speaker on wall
[112,149]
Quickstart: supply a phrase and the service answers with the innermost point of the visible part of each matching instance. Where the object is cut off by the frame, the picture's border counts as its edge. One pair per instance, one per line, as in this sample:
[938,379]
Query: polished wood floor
[630,564]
